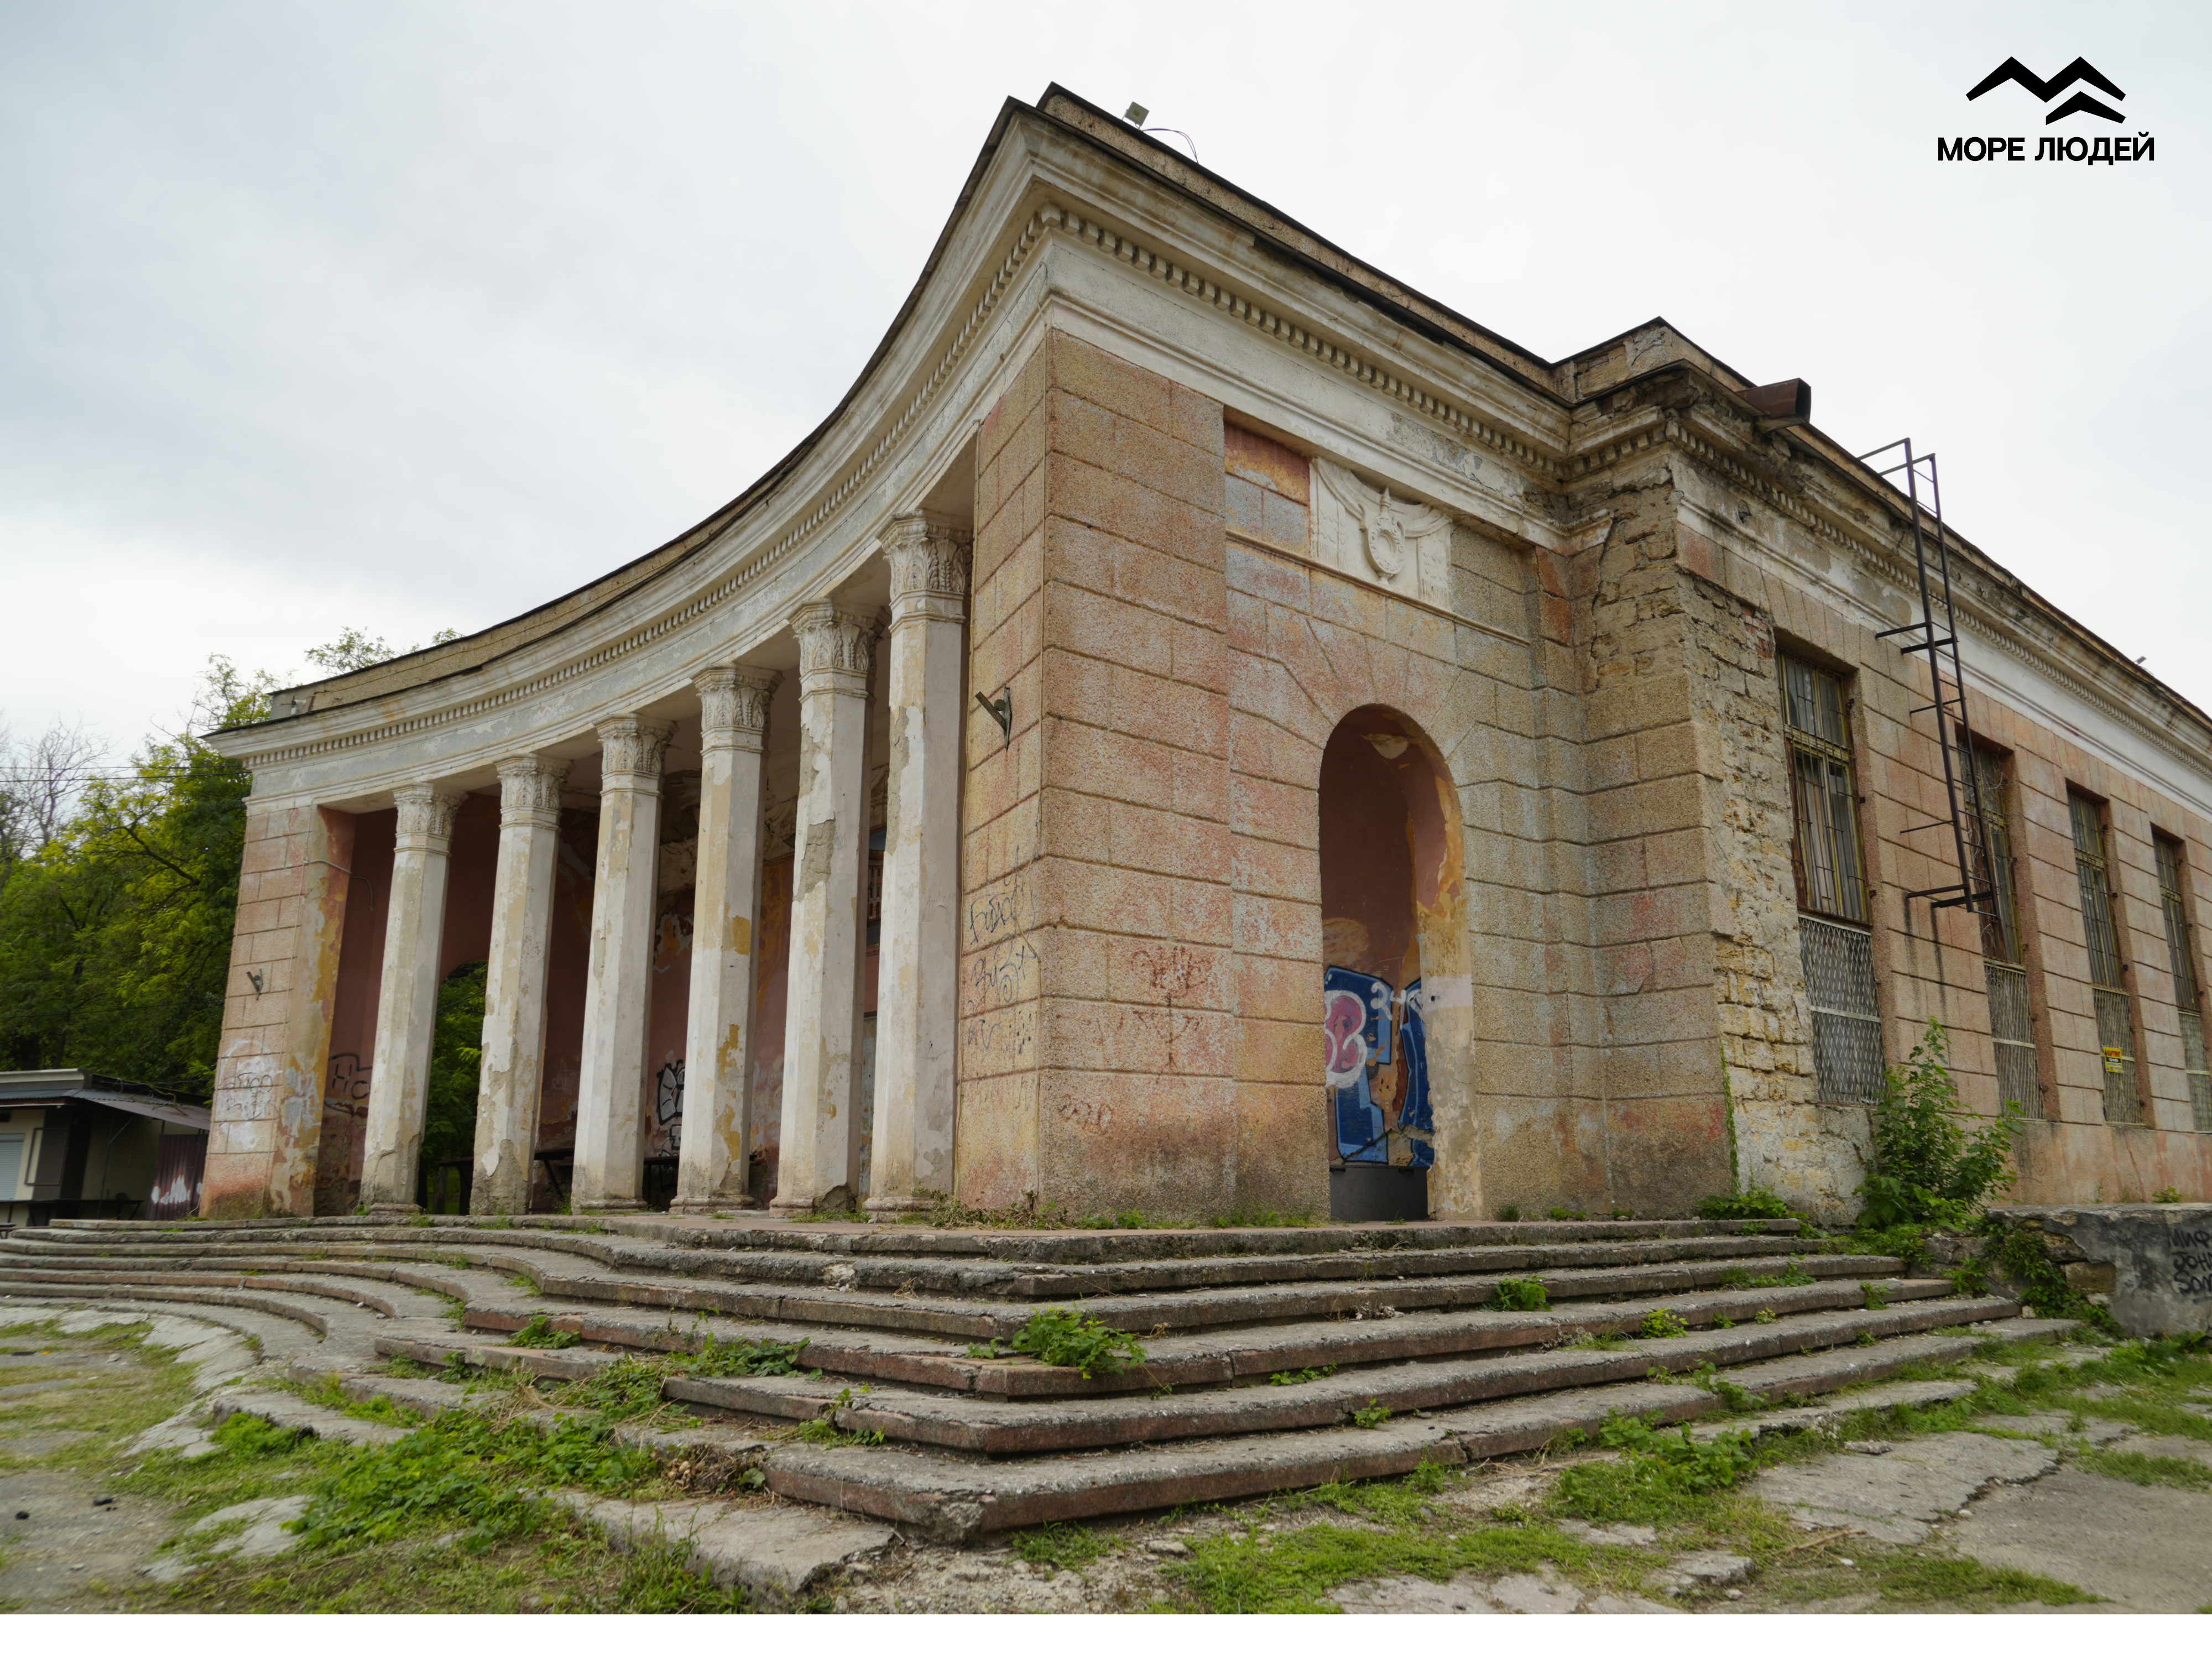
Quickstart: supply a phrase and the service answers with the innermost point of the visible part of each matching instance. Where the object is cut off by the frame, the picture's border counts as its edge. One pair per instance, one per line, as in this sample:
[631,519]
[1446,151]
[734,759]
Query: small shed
[75,1145]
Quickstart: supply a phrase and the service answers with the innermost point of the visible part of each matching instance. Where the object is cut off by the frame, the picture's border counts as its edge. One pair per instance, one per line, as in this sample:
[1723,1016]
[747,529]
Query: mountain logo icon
[2080,104]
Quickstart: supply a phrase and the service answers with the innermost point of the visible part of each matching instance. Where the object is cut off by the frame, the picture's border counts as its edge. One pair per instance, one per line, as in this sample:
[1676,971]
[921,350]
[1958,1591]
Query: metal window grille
[2001,935]
[1847,1057]
[2101,931]
[2181,949]
[2013,1031]
[1831,878]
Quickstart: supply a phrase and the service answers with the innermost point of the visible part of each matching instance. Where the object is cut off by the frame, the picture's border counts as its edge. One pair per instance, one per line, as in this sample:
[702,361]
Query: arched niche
[1396,991]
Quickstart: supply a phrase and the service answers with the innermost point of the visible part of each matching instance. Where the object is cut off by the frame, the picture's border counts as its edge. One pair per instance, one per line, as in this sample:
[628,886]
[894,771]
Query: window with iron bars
[2107,967]
[2181,948]
[2012,1025]
[1837,948]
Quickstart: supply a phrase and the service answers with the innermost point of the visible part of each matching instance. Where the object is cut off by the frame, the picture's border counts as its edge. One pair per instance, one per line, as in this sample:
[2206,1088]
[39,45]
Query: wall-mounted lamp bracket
[1001,711]
[255,978]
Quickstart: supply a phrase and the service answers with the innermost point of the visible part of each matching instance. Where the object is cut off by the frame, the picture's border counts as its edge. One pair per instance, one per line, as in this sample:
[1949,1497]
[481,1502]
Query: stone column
[718,1060]
[917,973]
[819,1158]
[515,983]
[610,1171]
[407,1000]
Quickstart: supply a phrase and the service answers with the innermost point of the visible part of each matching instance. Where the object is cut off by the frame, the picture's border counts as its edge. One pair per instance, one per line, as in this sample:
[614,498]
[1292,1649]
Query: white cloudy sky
[408,316]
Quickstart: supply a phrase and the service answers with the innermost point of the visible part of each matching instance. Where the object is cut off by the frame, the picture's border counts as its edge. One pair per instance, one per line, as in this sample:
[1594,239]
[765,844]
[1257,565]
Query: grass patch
[1294,1571]
[1908,1581]
[1659,1471]
[1063,1545]
[2145,1470]
[1521,1296]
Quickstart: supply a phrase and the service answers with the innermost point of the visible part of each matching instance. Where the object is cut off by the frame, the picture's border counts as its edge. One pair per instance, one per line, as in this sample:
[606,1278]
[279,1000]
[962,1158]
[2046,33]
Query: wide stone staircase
[1275,1358]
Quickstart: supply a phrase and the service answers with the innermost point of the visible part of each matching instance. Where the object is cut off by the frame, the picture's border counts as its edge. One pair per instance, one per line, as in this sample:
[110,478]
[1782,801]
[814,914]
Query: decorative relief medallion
[836,648]
[631,750]
[530,790]
[733,705]
[426,817]
[1381,537]
[929,568]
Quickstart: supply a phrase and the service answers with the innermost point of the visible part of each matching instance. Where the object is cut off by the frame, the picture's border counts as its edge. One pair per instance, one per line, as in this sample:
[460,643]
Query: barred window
[2012,1025]
[1830,877]
[2107,967]
[2188,999]
[1839,958]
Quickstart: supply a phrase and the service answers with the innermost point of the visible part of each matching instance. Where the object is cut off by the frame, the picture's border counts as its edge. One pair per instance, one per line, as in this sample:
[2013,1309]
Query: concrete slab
[2144,1548]
[289,1411]
[1415,1596]
[253,1531]
[1897,1498]
[774,1551]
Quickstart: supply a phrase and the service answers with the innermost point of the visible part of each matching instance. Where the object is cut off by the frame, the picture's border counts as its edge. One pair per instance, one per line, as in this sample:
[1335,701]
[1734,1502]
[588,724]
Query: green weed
[1926,1167]
[538,1332]
[1310,1374]
[1370,1415]
[1060,1336]
[1662,1323]
[1756,1204]
[2148,1471]
[1658,1471]
[1521,1296]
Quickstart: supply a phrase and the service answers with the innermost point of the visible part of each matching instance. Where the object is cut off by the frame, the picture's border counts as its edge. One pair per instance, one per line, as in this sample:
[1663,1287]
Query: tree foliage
[115,926]
[1927,1168]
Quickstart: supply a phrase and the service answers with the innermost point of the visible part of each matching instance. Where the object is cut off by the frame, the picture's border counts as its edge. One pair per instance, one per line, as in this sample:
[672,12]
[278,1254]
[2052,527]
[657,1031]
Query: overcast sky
[407,317]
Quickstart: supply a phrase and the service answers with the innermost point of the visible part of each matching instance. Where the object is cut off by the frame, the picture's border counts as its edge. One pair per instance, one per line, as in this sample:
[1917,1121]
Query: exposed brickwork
[267,1131]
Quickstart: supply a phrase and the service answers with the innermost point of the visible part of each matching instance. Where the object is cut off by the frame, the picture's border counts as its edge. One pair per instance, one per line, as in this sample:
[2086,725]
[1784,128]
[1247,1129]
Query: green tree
[449,1119]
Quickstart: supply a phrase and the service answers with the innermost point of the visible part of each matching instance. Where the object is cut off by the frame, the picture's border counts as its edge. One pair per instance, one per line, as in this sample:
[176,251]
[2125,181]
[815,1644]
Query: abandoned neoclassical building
[1202,728]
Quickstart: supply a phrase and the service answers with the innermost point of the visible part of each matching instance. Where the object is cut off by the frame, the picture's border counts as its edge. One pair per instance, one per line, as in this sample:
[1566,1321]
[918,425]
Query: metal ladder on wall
[1974,892]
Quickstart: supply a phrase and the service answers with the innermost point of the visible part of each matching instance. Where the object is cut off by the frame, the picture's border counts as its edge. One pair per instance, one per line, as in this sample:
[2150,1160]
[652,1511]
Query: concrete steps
[1395,1324]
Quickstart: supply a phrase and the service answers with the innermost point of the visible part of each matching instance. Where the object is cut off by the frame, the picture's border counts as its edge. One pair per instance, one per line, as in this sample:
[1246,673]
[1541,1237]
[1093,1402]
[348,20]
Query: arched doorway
[1394,948]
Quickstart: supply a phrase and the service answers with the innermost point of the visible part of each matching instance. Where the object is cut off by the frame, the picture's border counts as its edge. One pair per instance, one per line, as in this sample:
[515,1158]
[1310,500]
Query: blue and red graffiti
[1377,1060]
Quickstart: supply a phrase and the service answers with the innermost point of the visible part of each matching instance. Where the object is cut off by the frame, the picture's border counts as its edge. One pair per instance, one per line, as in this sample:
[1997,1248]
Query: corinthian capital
[733,706]
[631,750]
[929,569]
[530,790]
[426,817]
[836,648]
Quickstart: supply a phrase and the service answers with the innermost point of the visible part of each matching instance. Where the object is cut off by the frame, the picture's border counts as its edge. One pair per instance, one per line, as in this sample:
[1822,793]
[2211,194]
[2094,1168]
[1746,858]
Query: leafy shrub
[1876,1298]
[539,1333]
[1926,1167]
[1060,1336]
[1757,1204]
[1521,1296]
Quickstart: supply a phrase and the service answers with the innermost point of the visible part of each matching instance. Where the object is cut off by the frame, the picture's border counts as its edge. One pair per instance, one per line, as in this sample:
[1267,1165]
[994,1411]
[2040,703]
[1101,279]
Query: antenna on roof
[1136,115]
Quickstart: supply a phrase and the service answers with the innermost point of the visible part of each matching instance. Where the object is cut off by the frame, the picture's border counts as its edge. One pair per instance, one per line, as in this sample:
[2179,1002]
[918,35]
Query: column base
[393,1212]
[708,1207]
[608,1206]
[891,1205]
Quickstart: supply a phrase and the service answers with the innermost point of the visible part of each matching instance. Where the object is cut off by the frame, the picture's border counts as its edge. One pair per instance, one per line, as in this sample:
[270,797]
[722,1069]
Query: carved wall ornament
[836,648]
[733,705]
[1381,537]
[631,750]
[530,790]
[426,817]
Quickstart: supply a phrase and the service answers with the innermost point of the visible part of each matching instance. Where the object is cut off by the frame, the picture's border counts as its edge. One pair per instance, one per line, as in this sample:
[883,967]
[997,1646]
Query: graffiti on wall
[1376,1055]
[668,1106]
